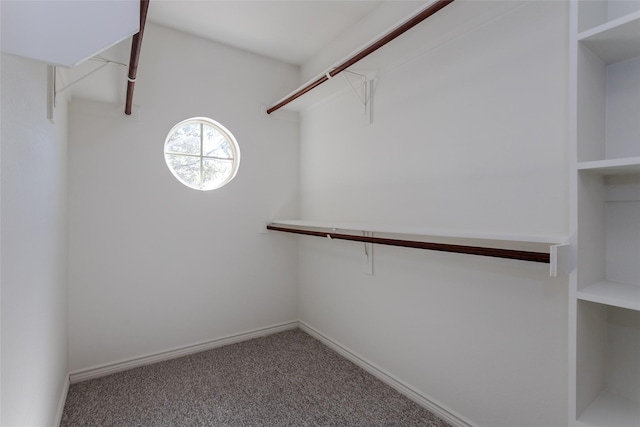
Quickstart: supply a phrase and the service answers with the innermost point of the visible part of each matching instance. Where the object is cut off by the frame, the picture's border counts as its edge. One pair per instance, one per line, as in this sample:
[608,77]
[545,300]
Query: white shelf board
[422,231]
[559,252]
[609,410]
[615,40]
[612,293]
[627,165]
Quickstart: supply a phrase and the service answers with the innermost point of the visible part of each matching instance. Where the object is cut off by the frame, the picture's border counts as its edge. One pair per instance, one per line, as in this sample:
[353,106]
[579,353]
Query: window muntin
[201,153]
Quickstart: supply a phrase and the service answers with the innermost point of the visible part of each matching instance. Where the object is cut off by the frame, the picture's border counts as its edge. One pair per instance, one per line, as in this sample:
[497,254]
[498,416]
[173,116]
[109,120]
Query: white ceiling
[290,31]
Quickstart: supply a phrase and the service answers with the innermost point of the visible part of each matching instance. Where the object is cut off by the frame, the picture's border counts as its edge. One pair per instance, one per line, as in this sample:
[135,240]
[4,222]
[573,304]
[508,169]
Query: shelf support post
[368,254]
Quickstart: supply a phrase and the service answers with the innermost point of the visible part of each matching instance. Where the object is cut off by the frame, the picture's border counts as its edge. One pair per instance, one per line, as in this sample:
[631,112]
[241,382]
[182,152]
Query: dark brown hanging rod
[401,29]
[136,44]
[443,247]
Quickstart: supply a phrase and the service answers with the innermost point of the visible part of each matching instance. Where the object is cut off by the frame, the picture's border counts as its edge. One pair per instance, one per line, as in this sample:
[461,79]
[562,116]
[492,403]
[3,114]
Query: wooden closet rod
[406,26]
[443,247]
[135,55]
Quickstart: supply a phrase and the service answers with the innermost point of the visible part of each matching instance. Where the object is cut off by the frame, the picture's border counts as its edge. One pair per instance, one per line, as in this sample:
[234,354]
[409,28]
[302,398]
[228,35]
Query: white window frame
[201,121]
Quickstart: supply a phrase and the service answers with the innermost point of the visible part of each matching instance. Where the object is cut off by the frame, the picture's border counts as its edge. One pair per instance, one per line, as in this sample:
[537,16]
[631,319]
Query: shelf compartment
[612,293]
[609,410]
[596,13]
[616,40]
[608,105]
[608,375]
[609,234]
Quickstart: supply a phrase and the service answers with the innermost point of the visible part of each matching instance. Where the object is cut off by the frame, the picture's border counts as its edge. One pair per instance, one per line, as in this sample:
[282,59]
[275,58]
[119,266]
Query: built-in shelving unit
[536,248]
[605,289]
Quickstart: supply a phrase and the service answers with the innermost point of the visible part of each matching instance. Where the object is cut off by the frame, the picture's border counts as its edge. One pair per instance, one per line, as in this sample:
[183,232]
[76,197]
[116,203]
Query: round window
[201,153]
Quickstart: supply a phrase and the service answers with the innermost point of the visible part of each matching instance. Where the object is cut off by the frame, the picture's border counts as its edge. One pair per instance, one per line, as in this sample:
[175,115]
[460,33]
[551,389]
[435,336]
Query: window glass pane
[215,144]
[201,153]
[185,168]
[215,173]
[185,139]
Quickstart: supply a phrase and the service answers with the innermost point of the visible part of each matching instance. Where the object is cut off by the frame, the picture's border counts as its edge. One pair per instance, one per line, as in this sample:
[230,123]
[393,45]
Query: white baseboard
[61,401]
[422,400]
[100,371]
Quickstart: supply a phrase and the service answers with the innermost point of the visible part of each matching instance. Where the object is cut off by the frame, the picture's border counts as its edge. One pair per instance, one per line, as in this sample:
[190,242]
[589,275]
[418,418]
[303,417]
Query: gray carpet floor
[285,379]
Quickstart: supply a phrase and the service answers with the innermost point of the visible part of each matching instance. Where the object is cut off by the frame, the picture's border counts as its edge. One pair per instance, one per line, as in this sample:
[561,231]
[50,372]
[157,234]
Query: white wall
[469,133]
[34,252]
[155,265]
[381,20]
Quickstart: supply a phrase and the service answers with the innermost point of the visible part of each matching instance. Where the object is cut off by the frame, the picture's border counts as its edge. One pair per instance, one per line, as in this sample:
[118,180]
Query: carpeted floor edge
[426,402]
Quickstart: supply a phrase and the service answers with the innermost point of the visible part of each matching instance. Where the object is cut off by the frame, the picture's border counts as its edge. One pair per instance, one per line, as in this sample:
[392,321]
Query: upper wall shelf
[616,40]
[537,248]
[326,81]
[543,240]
